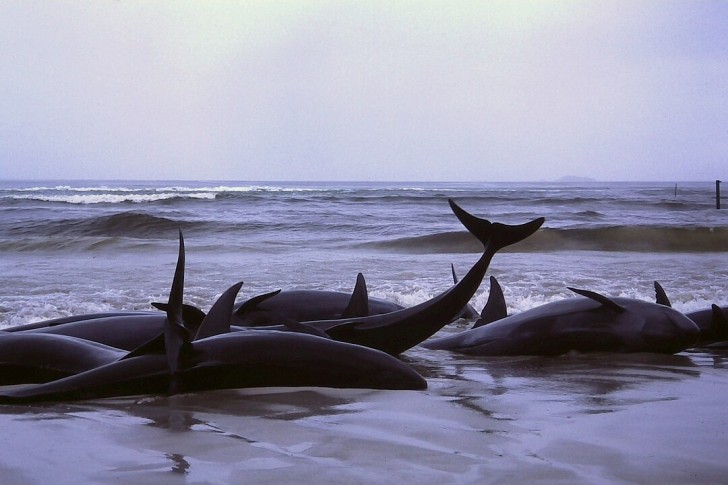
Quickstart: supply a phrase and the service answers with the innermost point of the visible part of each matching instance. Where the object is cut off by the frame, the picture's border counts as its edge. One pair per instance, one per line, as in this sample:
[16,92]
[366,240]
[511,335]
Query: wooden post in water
[717,194]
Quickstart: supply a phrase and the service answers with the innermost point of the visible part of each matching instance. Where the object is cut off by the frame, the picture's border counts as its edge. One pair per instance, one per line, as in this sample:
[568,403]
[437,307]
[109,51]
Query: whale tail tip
[495,235]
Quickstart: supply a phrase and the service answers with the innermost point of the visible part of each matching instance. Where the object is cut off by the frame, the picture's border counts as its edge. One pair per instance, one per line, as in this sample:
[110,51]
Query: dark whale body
[314,305]
[215,358]
[33,357]
[398,331]
[592,324]
[307,305]
[234,360]
[712,323]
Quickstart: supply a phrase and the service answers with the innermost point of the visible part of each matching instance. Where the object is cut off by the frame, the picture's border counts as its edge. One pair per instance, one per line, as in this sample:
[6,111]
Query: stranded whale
[309,305]
[213,359]
[592,323]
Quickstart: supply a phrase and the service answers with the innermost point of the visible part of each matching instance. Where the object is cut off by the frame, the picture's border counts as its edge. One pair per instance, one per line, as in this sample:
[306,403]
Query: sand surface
[599,418]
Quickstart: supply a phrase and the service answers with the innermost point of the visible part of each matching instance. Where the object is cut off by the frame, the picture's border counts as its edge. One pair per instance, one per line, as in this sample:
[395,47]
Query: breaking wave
[622,238]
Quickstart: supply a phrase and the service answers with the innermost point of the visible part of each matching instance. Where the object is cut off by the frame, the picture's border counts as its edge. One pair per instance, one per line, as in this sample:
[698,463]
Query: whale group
[326,338]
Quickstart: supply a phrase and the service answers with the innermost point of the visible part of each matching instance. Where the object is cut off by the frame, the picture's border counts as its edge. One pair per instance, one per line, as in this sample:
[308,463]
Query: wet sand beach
[598,418]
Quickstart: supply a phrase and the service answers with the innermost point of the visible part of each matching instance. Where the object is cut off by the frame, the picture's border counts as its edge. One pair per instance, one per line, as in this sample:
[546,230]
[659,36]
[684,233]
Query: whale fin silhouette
[176,336]
[495,308]
[660,295]
[469,312]
[191,315]
[254,302]
[153,346]
[495,235]
[605,301]
[217,320]
[359,303]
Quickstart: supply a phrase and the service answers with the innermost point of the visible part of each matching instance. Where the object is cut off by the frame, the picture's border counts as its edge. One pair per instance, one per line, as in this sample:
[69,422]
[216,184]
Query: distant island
[573,178]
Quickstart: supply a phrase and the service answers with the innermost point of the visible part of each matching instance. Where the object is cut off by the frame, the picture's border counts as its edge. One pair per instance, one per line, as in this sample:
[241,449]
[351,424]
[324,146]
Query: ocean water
[76,247]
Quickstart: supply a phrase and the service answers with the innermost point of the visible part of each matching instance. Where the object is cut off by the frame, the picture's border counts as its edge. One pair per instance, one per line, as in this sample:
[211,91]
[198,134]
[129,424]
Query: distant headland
[573,178]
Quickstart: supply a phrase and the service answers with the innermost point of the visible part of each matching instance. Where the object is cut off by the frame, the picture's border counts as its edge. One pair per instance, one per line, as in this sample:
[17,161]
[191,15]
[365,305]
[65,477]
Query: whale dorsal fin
[250,304]
[719,321]
[660,295]
[359,302]
[217,320]
[605,301]
[495,308]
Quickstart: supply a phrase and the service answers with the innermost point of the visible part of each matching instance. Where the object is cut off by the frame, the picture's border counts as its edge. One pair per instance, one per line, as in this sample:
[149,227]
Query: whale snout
[690,331]
[670,333]
[401,378]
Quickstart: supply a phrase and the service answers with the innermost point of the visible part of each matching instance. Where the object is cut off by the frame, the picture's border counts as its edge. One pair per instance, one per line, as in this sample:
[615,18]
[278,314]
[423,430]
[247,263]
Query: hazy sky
[364,90]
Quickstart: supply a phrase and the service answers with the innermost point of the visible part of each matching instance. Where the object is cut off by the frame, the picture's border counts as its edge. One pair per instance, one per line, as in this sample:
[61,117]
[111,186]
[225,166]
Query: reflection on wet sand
[590,383]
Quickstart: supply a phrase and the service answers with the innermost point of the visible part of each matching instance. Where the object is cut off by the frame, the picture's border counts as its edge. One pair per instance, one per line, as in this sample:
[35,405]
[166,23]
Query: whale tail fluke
[495,235]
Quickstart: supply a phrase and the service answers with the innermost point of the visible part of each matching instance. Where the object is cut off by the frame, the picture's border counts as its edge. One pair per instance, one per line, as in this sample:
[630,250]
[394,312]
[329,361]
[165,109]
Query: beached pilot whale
[310,305]
[177,361]
[591,323]
[307,305]
[398,331]
[36,357]
[193,317]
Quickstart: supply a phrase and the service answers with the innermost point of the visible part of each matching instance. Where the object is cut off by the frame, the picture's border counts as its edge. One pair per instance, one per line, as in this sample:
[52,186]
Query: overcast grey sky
[369,90]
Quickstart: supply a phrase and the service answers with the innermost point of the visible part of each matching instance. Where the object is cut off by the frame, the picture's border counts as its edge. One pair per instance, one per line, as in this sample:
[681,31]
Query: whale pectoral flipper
[251,304]
[191,315]
[605,301]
